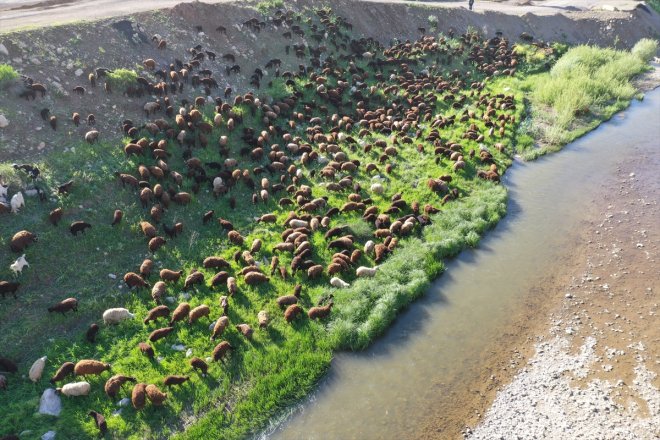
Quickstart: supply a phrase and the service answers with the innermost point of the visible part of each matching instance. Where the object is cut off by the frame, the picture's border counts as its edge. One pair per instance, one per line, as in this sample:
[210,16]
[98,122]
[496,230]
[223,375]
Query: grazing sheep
[232,287]
[156,396]
[8,366]
[157,312]
[198,364]
[215,263]
[18,265]
[148,229]
[3,385]
[158,291]
[146,267]
[64,306]
[220,351]
[116,315]
[139,396]
[363,271]
[146,350]
[263,319]
[92,331]
[180,313]
[219,327]
[292,312]
[339,283]
[65,370]
[134,280]
[92,135]
[78,226]
[75,389]
[245,330]
[288,300]
[252,278]
[114,384]
[9,287]
[319,312]
[170,275]
[88,367]
[100,422]
[17,202]
[175,380]
[55,216]
[116,218]
[160,333]
[198,312]
[156,243]
[22,240]
[315,271]
[37,369]
[235,238]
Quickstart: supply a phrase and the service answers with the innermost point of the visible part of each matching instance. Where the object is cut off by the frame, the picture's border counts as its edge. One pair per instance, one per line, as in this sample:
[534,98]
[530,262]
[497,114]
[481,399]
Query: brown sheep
[170,275]
[233,236]
[252,278]
[220,325]
[92,331]
[160,333]
[78,226]
[220,351]
[8,365]
[22,240]
[100,422]
[315,271]
[64,306]
[245,330]
[156,396]
[158,291]
[219,278]
[198,312]
[148,229]
[156,243]
[319,312]
[157,312]
[199,364]
[139,396]
[65,370]
[195,277]
[134,280]
[146,350]
[55,216]
[3,385]
[114,384]
[175,380]
[341,243]
[232,287]
[88,367]
[146,267]
[117,216]
[215,263]
[9,287]
[224,304]
[292,312]
[180,313]
[288,300]
[263,319]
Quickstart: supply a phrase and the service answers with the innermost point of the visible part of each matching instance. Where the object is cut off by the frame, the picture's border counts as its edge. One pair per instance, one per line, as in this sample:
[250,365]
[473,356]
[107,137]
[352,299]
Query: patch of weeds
[7,75]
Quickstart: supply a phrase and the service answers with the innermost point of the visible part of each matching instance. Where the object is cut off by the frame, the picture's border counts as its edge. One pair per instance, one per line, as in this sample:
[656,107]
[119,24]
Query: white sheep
[363,271]
[339,283]
[37,369]
[377,188]
[217,120]
[75,389]
[295,223]
[369,247]
[19,264]
[217,184]
[113,316]
[17,202]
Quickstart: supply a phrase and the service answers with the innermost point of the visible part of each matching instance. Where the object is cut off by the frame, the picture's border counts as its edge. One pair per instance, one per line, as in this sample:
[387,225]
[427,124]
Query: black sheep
[9,287]
[79,226]
[100,421]
[92,331]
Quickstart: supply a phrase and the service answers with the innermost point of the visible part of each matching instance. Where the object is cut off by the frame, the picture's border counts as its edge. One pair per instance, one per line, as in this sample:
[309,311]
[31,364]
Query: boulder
[50,403]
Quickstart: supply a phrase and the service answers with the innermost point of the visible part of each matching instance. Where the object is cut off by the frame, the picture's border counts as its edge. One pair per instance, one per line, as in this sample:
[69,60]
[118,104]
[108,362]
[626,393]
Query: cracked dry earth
[595,373]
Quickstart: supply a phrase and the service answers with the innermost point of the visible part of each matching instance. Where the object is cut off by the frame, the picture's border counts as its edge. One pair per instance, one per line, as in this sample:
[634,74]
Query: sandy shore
[594,372]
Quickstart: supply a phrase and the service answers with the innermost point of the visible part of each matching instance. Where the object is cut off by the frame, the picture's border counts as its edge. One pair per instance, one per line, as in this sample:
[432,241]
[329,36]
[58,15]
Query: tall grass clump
[7,75]
[120,79]
[586,86]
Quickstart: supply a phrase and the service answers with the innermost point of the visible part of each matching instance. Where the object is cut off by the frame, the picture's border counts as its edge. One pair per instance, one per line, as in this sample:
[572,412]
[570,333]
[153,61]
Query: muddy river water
[437,347]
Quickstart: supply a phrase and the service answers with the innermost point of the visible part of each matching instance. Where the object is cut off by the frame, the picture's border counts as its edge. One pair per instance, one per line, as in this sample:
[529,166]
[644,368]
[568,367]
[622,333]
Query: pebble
[50,435]
[4,122]
[124,402]
[3,50]
[50,403]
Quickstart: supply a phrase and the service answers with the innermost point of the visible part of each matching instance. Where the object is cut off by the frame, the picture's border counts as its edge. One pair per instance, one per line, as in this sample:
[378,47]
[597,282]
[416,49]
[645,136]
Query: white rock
[189,352]
[3,50]
[50,403]
[178,347]
[112,276]
[3,121]
[50,435]
[124,402]
[78,72]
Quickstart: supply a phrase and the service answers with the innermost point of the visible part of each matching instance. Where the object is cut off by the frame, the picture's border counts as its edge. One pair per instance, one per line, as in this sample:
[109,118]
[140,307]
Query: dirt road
[18,14]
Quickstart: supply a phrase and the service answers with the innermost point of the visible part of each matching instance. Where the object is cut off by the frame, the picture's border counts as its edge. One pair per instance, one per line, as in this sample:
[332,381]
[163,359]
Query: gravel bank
[595,373]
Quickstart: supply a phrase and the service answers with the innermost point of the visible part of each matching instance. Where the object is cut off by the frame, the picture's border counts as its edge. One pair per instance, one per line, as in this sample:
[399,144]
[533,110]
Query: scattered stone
[112,276]
[4,122]
[178,347]
[124,402]
[3,50]
[78,72]
[50,403]
[50,435]
[189,352]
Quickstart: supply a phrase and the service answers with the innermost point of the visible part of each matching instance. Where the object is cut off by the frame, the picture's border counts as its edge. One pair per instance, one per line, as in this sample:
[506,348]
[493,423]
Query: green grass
[655,4]
[267,5]
[586,86]
[120,79]
[7,75]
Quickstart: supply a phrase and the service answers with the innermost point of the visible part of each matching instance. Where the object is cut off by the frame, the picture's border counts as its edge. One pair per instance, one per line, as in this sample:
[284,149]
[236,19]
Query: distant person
[470,3]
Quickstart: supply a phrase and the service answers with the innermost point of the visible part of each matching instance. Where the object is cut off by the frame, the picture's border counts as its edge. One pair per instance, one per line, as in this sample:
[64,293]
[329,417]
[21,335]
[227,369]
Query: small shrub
[120,79]
[265,6]
[645,49]
[7,75]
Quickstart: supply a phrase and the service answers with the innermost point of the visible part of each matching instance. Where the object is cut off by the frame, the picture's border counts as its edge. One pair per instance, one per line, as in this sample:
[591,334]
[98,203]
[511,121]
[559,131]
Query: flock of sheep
[297,145]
